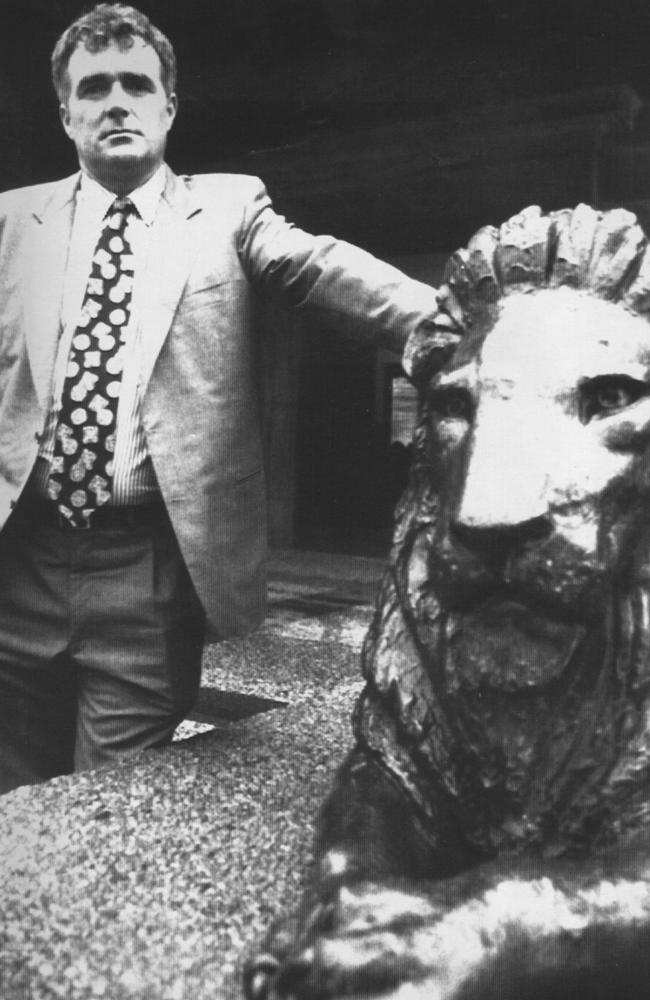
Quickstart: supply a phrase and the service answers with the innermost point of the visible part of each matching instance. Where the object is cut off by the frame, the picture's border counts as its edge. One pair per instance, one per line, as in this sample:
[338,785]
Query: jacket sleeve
[335,282]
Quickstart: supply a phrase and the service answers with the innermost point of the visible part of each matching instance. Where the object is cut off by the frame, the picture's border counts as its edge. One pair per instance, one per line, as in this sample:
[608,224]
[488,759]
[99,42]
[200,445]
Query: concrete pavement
[150,881]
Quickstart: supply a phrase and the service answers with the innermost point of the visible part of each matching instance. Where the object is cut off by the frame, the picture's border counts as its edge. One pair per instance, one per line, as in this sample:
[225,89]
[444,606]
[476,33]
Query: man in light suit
[105,589]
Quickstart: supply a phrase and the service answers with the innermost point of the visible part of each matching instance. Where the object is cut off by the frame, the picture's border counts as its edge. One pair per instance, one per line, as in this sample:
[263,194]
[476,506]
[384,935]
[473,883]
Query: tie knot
[122,205]
[119,212]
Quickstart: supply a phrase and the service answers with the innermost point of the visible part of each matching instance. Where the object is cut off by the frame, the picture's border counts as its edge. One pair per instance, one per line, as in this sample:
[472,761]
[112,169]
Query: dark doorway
[337,461]
[355,417]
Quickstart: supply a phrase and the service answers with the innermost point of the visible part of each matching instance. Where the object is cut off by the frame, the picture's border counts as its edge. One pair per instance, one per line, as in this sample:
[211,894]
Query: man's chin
[122,166]
[128,153]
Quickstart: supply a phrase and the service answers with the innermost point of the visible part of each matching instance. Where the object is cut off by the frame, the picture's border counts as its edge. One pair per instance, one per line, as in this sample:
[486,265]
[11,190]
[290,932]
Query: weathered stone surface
[499,791]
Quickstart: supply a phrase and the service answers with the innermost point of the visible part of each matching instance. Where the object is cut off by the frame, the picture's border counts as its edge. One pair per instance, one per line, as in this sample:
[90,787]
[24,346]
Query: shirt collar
[145,198]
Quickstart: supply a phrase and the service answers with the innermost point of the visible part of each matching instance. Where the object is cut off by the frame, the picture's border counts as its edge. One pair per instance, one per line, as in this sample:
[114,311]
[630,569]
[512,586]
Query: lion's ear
[434,340]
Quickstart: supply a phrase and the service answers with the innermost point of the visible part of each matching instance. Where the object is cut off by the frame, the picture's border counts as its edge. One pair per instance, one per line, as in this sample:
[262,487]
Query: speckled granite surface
[149,881]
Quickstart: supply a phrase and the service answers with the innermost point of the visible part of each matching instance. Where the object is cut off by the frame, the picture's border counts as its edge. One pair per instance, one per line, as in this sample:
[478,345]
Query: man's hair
[105,23]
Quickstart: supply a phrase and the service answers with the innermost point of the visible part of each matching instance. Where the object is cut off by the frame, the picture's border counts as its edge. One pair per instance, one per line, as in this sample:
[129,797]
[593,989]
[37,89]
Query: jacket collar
[56,197]
[60,196]
[181,197]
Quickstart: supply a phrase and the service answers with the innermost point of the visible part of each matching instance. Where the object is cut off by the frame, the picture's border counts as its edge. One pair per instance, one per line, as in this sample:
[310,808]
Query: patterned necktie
[81,473]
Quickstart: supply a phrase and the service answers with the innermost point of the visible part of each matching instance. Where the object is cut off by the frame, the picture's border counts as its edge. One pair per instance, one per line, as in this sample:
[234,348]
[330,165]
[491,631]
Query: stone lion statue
[487,836]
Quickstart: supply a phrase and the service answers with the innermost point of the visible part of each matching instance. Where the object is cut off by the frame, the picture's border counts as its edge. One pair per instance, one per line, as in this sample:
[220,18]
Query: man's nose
[118,100]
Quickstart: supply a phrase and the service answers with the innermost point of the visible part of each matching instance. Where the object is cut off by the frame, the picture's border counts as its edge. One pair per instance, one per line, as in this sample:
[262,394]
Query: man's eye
[92,89]
[452,404]
[605,395]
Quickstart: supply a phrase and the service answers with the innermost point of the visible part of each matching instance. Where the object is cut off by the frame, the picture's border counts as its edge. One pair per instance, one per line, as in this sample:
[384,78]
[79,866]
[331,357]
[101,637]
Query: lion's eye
[607,394]
[452,404]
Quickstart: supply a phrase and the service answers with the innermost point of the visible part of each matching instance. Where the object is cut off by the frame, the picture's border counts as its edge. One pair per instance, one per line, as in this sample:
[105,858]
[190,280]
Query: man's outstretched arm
[336,282]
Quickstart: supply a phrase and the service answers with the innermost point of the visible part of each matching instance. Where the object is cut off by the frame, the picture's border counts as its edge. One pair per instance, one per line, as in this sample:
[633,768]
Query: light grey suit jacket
[215,238]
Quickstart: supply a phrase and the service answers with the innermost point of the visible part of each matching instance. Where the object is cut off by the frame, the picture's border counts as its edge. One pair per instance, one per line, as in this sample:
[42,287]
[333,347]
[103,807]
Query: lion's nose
[496,542]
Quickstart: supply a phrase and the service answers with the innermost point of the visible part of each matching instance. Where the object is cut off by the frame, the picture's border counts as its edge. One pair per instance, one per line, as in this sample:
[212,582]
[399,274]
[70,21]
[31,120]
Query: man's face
[117,113]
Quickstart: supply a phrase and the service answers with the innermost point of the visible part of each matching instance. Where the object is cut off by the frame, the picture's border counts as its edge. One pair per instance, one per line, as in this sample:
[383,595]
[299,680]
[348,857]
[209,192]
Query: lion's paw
[363,941]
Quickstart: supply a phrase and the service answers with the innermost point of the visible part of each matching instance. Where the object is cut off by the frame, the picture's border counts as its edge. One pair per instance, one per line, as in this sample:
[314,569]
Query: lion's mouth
[509,643]
[551,586]
[516,601]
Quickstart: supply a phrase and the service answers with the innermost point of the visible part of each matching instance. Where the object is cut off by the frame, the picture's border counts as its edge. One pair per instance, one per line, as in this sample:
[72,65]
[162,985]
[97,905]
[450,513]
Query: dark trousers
[101,637]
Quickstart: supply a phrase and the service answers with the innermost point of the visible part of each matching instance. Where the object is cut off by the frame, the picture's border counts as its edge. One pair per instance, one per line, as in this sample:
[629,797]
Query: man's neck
[146,197]
[125,184]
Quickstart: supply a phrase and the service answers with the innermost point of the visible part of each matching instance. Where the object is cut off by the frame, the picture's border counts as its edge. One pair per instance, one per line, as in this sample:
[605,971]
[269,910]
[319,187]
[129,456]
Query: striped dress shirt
[134,480]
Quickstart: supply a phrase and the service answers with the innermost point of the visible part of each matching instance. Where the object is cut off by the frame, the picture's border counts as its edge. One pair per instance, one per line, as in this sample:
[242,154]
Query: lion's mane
[402,718]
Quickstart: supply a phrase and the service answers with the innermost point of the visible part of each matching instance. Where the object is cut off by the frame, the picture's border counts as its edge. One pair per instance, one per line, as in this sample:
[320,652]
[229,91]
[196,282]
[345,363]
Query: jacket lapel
[42,271]
[171,252]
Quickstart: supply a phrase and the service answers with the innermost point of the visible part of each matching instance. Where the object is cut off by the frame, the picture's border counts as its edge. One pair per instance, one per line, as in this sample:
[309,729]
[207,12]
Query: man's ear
[64,115]
[172,108]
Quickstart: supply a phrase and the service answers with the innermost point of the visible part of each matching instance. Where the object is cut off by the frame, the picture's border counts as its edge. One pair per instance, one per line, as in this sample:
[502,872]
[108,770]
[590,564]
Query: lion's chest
[520,732]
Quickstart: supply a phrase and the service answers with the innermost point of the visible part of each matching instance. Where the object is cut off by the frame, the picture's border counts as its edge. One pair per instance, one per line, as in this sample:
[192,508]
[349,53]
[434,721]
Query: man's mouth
[120,133]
